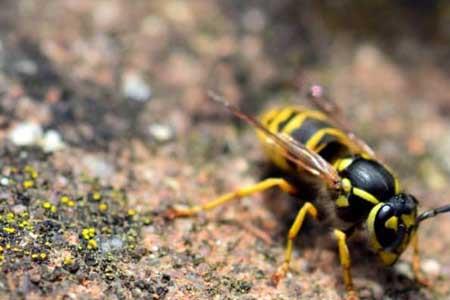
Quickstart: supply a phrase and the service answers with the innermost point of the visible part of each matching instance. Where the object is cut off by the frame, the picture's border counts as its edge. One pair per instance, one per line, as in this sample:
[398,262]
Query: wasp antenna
[252,121]
[432,213]
[236,111]
[218,98]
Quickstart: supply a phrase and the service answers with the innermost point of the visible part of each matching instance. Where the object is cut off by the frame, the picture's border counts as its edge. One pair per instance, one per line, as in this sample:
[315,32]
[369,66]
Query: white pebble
[4,181]
[112,244]
[404,268]
[135,88]
[161,133]
[52,141]
[431,267]
[98,166]
[26,134]
[27,67]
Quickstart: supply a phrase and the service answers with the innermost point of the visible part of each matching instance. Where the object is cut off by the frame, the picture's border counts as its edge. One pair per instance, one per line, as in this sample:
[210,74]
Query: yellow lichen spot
[8,246]
[47,205]
[88,233]
[68,260]
[31,171]
[1,249]
[103,207]
[28,184]
[39,256]
[92,244]
[96,196]
[64,199]
[10,217]
[85,233]
[24,224]
[131,212]
[2,258]
[9,230]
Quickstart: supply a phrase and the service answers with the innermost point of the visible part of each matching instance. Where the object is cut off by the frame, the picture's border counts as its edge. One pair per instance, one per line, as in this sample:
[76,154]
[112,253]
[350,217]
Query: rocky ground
[105,123]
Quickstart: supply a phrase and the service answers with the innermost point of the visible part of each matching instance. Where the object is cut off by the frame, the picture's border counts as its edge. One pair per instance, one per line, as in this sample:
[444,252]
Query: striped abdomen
[309,127]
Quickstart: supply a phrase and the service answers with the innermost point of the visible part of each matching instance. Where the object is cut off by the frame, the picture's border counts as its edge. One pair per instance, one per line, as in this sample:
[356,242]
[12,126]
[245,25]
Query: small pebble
[404,268]
[52,141]
[26,134]
[4,181]
[162,133]
[135,88]
[431,267]
[115,243]
[27,67]
[98,167]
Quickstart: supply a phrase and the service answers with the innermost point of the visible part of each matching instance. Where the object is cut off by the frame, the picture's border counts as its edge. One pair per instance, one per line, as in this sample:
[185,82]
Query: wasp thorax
[391,225]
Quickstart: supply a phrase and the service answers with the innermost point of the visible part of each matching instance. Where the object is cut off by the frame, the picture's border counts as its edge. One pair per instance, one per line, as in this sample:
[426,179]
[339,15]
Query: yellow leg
[243,192]
[416,262]
[293,232]
[344,256]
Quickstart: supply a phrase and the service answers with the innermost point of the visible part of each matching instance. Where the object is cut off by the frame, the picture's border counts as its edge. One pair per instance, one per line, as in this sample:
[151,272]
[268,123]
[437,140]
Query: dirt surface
[105,123]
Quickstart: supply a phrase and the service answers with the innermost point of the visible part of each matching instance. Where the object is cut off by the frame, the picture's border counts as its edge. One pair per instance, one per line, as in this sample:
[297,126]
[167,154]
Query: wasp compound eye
[386,226]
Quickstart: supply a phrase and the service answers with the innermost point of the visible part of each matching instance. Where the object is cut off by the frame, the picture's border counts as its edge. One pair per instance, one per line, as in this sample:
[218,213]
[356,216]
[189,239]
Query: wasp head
[391,225]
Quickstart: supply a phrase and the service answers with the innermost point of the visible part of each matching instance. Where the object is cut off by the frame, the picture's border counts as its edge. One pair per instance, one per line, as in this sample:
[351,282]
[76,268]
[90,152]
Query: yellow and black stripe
[309,127]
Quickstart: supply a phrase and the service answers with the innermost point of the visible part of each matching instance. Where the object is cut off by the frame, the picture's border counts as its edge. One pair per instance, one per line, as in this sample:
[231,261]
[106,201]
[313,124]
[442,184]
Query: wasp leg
[293,232]
[243,192]
[416,262]
[344,256]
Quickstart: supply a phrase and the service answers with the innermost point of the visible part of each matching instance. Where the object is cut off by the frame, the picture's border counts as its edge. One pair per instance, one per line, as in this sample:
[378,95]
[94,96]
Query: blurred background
[116,89]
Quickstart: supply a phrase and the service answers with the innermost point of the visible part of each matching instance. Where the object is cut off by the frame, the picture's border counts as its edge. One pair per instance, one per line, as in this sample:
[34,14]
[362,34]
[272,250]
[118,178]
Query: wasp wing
[318,96]
[316,164]
[292,150]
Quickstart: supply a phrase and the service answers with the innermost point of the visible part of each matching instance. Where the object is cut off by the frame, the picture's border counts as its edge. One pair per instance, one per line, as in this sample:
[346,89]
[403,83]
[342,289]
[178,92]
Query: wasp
[355,190]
